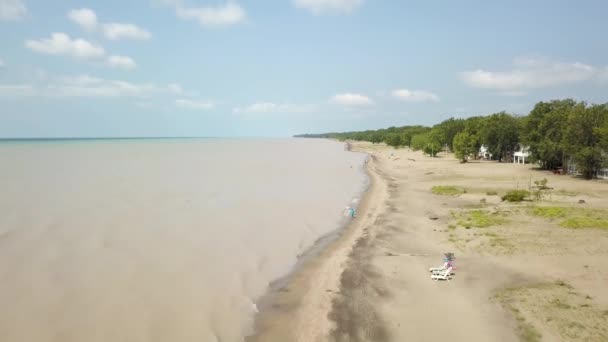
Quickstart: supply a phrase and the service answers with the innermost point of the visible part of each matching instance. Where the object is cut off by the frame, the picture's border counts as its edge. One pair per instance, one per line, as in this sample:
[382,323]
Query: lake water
[159,240]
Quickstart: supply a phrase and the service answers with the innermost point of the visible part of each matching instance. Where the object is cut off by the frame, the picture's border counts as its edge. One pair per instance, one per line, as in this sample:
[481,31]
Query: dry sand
[526,278]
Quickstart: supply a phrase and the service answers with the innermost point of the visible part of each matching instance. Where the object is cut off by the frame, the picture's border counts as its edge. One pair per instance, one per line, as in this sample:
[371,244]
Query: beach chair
[440,268]
[445,275]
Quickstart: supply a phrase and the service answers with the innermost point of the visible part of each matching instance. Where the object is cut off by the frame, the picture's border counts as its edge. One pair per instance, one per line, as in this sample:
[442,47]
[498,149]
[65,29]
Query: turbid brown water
[158,240]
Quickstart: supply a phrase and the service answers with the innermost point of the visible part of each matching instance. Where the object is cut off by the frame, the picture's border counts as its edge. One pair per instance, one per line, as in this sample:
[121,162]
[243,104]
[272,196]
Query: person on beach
[351,212]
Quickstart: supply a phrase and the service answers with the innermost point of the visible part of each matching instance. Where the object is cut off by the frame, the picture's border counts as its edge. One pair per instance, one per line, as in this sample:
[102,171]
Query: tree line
[557,132]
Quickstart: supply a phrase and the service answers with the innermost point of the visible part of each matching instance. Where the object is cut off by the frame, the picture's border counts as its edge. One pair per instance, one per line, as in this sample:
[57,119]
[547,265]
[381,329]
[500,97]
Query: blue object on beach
[352,211]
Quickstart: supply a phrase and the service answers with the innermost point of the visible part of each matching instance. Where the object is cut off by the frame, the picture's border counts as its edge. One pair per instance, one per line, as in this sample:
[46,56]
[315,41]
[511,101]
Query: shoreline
[298,309]
[372,283]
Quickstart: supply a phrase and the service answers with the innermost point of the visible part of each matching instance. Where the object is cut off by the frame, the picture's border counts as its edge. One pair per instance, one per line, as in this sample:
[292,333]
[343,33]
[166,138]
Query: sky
[274,68]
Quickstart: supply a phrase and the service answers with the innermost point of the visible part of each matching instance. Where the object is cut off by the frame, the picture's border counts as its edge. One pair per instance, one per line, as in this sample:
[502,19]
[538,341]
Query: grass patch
[572,217]
[447,190]
[550,212]
[526,331]
[491,193]
[584,222]
[516,195]
[558,309]
[480,219]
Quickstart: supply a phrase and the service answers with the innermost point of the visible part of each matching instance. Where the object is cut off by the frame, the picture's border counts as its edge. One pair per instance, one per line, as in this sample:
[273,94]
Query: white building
[519,157]
[484,153]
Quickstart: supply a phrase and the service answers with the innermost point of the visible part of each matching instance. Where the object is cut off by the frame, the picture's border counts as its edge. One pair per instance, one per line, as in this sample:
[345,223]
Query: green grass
[584,222]
[480,219]
[550,212]
[447,190]
[557,308]
[572,217]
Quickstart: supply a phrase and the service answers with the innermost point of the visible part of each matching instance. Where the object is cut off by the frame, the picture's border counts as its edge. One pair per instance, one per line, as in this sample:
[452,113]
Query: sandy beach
[522,272]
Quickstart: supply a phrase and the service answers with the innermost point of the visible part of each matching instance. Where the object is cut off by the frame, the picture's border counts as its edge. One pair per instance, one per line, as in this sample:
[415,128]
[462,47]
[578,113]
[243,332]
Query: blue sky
[281,67]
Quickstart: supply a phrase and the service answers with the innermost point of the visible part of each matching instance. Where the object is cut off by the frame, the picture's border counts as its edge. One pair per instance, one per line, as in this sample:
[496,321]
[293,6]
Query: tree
[432,147]
[419,141]
[394,140]
[544,129]
[464,145]
[427,142]
[500,132]
[583,139]
[447,130]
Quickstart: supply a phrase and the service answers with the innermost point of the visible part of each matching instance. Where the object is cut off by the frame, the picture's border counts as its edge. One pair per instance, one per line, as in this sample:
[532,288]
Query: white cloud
[16,90]
[62,44]
[270,107]
[122,62]
[194,104]
[530,73]
[223,15]
[328,6]
[80,86]
[175,88]
[88,86]
[12,10]
[603,75]
[117,31]
[415,95]
[86,18]
[349,99]
[94,87]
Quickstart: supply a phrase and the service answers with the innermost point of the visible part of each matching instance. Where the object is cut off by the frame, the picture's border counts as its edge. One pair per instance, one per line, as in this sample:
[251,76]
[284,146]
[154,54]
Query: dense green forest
[555,132]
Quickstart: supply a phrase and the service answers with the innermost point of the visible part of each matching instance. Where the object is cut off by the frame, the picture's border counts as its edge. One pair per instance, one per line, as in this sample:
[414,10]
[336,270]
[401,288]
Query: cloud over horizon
[87,86]
[531,73]
[271,107]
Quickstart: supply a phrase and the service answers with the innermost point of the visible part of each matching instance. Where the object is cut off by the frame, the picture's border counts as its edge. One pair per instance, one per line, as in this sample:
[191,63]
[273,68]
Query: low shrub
[447,190]
[516,195]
